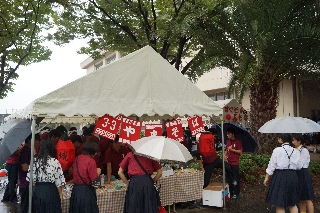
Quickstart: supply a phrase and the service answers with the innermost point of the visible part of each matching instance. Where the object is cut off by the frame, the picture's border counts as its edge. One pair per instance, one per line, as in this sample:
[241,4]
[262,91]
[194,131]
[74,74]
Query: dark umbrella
[249,144]
[13,138]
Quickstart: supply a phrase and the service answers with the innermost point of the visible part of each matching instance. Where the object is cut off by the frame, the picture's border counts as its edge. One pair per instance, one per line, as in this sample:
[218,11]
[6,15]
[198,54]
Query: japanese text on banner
[153,130]
[195,124]
[107,126]
[130,130]
[174,130]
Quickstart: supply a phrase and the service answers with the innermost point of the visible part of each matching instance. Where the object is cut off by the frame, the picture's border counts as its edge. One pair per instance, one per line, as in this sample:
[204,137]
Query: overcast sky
[39,79]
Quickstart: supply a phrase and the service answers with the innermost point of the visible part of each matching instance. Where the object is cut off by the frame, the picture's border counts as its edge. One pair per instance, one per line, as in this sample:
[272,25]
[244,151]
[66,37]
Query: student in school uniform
[305,188]
[83,197]
[283,189]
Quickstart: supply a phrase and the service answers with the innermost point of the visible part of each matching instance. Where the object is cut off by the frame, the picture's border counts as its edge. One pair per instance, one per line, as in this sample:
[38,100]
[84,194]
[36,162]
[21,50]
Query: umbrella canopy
[249,144]
[290,124]
[160,148]
[4,128]
[14,137]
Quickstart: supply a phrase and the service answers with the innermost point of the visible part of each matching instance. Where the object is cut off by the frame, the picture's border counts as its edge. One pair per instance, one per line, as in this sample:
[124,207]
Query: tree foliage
[262,42]
[127,25]
[21,24]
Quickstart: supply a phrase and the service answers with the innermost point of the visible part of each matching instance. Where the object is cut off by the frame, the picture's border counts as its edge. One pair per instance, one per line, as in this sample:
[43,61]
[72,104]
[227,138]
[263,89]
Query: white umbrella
[4,128]
[290,124]
[160,148]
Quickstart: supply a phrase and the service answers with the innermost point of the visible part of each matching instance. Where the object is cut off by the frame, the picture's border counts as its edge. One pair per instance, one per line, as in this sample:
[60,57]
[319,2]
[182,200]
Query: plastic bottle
[102,180]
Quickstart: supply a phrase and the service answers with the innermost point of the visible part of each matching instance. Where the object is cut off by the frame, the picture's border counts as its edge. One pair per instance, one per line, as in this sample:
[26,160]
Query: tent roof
[140,84]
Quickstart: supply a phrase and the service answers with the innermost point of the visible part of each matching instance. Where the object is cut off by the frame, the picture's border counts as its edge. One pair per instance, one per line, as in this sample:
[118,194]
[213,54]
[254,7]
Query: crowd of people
[290,184]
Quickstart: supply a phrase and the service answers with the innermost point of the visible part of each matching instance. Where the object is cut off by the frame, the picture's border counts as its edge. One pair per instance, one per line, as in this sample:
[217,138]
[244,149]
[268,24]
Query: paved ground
[251,200]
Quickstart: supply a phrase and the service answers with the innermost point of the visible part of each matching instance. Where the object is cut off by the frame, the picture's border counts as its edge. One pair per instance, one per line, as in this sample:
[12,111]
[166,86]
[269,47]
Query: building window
[98,65]
[213,97]
[111,59]
[220,96]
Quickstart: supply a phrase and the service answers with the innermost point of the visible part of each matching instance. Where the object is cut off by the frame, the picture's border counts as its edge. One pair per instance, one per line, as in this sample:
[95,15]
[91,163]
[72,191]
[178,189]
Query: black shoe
[3,200]
[196,204]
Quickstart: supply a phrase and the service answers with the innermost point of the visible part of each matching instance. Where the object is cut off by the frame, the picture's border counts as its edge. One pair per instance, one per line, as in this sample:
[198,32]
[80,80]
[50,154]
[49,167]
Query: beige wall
[213,80]
[309,101]
[286,105]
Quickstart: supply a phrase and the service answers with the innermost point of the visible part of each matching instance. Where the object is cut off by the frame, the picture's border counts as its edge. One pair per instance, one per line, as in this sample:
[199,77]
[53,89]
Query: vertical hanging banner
[130,130]
[174,130]
[153,130]
[195,124]
[107,126]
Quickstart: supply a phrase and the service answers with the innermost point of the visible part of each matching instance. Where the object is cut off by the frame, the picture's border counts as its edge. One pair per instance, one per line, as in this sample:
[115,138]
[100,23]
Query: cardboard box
[213,194]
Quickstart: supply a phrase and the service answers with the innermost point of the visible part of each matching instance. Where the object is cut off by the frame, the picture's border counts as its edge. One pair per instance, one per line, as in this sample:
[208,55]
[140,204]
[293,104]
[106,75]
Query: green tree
[262,43]
[21,24]
[126,25]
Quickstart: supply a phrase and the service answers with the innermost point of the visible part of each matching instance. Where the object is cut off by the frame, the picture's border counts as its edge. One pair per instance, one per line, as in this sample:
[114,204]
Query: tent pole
[33,129]
[223,165]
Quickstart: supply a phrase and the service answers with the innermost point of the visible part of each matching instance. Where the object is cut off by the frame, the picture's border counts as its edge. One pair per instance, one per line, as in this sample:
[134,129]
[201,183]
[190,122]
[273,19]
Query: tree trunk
[263,104]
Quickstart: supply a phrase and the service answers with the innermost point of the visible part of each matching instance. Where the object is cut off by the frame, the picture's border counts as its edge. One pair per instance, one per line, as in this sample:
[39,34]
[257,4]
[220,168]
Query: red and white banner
[195,124]
[174,130]
[153,130]
[107,126]
[130,130]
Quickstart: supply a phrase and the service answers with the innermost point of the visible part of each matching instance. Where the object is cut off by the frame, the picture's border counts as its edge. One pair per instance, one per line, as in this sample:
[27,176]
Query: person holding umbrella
[283,189]
[305,187]
[141,194]
[233,152]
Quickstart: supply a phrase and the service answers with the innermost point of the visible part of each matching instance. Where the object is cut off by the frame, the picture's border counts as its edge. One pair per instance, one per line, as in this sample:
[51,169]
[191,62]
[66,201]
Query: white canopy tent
[141,84]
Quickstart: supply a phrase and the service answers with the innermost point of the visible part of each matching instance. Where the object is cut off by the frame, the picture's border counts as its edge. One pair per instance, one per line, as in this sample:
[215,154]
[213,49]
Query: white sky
[41,78]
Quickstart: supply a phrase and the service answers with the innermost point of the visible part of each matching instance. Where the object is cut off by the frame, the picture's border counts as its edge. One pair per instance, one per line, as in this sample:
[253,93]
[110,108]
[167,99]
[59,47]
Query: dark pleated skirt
[305,187]
[46,198]
[141,196]
[283,189]
[83,199]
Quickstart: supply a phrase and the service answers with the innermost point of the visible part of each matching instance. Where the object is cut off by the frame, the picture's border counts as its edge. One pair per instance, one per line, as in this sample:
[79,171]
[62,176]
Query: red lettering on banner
[174,130]
[226,109]
[236,110]
[130,130]
[153,130]
[107,126]
[196,125]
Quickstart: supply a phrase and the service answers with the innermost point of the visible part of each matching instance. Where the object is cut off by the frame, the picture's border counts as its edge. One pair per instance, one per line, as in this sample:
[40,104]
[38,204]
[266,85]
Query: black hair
[90,148]
[165,134]
[84,127]
[87,132]
[91,128]
[286,137]
[116,139]
[55,133]
[28,139]
[206,128]
[47,149]
[213,131]
[37,137]
[76,138]
[298,137]
[231,130]
[62,129]
[72,128]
